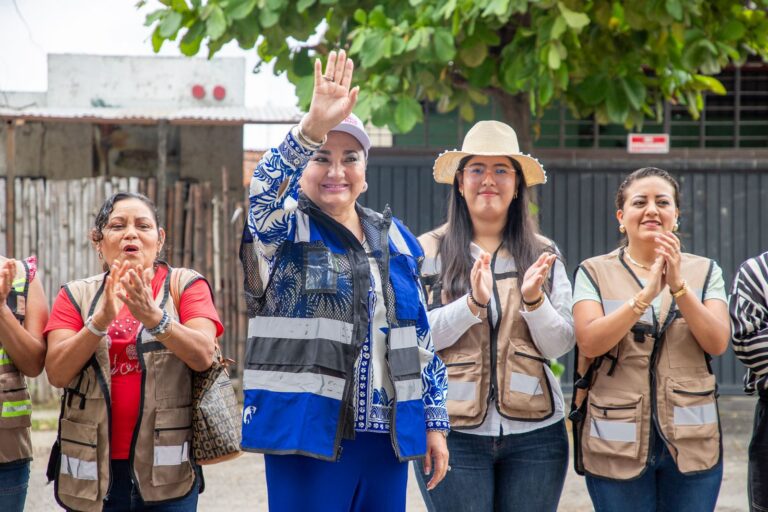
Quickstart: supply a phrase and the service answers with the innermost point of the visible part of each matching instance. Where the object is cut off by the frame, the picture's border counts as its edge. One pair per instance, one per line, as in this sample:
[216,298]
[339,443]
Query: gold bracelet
[638,305]
[305,140]
[682,291]
[536,305]
[167,333]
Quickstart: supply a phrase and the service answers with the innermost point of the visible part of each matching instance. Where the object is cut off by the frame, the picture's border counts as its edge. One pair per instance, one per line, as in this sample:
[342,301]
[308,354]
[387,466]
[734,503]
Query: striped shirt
[749,321]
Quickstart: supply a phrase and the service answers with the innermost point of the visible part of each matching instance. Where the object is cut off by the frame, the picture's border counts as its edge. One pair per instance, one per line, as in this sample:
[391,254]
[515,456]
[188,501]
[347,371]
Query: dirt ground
[240,485]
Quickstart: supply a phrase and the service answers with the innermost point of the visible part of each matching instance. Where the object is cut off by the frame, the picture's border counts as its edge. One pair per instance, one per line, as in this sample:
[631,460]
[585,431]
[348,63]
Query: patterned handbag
[216,433]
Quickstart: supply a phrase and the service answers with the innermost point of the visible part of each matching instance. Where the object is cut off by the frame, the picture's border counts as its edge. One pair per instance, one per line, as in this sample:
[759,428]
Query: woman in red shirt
[117,343]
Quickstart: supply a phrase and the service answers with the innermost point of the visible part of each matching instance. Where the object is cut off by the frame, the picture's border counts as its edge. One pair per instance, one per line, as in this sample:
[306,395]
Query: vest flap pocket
[613,426]
[403,275]
[683,350]
[692,408]
[173,378]
[78,466]
[16,404]
[463,385]
[173,433]
[524,380]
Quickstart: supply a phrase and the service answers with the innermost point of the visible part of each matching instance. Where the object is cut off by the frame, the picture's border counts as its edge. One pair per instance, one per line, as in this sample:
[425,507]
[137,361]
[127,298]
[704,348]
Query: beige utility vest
[657,376]
[15,416]
[160,452]
[489,361]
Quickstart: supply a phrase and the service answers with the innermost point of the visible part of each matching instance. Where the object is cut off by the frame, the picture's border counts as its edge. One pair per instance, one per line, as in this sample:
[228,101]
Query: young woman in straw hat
[500,303]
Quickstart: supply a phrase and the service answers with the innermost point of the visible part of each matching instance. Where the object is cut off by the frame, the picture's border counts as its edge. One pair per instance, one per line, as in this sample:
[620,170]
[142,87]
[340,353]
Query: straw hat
[489,138]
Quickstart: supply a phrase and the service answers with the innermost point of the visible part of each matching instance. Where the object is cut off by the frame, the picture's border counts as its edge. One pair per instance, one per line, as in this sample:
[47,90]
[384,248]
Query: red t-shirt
[196,302]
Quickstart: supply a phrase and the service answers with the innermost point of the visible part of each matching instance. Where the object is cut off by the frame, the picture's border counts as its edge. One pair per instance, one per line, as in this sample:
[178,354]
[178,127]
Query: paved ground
[239,484]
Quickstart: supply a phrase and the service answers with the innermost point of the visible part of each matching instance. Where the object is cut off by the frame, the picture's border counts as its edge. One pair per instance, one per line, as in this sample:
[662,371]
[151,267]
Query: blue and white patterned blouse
[274,195]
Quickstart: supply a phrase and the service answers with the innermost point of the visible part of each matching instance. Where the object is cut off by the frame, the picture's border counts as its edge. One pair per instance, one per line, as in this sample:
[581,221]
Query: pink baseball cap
[354,126]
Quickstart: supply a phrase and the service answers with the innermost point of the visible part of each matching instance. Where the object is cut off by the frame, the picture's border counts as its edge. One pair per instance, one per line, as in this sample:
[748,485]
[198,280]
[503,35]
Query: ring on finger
[328,78]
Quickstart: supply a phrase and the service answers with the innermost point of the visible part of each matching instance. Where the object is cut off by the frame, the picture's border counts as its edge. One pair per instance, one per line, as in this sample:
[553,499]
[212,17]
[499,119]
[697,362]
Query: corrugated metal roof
[152,115]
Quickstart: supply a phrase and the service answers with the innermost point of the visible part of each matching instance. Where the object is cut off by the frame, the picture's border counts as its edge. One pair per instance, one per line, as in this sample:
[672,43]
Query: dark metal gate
[724,213]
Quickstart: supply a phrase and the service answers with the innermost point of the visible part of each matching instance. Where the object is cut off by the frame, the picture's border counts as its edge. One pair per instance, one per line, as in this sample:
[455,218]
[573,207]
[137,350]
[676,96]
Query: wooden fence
[53,219]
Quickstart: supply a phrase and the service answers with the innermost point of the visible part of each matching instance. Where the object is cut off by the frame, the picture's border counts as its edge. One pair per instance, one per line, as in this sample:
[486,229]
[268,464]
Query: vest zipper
[81,443]
[693,393]
[530,356]
[605,409]
[493,395]
[384,281]
[451,365]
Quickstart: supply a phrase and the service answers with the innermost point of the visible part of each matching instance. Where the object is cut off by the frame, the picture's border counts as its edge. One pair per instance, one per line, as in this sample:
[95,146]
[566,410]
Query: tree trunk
[517,114]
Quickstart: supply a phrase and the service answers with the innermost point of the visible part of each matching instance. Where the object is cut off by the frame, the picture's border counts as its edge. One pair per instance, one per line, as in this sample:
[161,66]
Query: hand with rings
[332,97]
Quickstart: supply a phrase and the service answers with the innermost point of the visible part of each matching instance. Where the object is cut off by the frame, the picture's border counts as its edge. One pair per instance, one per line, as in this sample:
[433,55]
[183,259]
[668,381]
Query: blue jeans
[124,497]
[367,478]
[14,478]
[515,472]
[758,458]
[662,487]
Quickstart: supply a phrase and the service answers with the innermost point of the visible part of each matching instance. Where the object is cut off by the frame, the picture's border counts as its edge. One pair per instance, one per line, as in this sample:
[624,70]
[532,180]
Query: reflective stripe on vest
[79,468]
[4,357]
[15,409]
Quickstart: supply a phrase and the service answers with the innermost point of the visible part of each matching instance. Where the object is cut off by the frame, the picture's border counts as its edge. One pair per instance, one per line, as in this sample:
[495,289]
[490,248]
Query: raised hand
[481,280]
[137,295]
[332,99]
[534,277]
[668,247]
[110,304]
[656,279]
[7,272]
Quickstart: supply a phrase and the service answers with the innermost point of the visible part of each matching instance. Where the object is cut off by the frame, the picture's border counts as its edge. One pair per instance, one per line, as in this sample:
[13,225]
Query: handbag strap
[176,297]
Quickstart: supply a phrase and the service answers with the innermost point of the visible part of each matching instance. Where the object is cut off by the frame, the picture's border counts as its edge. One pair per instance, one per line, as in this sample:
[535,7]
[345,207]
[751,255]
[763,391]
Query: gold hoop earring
[461,193]
[514,196]
[622,229]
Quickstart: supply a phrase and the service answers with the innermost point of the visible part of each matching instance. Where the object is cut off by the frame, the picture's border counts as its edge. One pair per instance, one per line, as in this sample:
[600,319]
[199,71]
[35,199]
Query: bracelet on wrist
[439,431]
[163,336]
[638,305]
[306,141]
[95,330]
[682,291]
[474,301]
[160,327]
[533,306]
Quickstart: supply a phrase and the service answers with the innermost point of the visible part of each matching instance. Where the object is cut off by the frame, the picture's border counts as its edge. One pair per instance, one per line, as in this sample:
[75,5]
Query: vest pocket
[78,465]
[15,403]
[524,384]
[684,351]
[692,408]
[172,377]
[463,387]
[613,427]
[173,433]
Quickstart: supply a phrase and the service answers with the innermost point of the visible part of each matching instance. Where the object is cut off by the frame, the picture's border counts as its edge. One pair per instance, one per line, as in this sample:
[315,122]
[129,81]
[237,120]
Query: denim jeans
[758,458]
[14,478]
[515,472]
[124,497]
[661,488]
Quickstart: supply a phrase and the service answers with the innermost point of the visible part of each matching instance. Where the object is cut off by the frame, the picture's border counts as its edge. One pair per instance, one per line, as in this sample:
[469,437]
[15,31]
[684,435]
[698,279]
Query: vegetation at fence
[618,61]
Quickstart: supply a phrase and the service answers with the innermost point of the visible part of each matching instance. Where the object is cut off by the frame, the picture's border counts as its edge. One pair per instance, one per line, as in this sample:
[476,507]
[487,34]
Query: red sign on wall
[648,143]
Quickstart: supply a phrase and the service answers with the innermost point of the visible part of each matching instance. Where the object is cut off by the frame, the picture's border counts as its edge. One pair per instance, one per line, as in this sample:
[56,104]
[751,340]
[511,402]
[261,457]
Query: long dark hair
[518,237]
[644,172]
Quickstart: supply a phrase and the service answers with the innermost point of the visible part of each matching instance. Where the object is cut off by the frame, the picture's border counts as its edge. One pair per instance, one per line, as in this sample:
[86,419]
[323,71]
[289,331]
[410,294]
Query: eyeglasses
[477,172]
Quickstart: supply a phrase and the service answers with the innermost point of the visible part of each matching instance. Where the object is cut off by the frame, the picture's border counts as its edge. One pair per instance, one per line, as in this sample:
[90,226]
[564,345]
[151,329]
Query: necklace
[635,263]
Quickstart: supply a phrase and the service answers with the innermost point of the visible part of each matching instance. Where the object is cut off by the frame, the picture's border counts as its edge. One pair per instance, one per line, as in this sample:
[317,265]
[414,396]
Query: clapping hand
[536,275]
[137,295]
[332,99]
[481,280]
[7,272]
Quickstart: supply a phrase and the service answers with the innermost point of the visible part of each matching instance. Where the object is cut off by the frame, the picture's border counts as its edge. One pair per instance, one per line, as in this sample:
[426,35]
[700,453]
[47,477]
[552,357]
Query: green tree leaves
[615,60]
